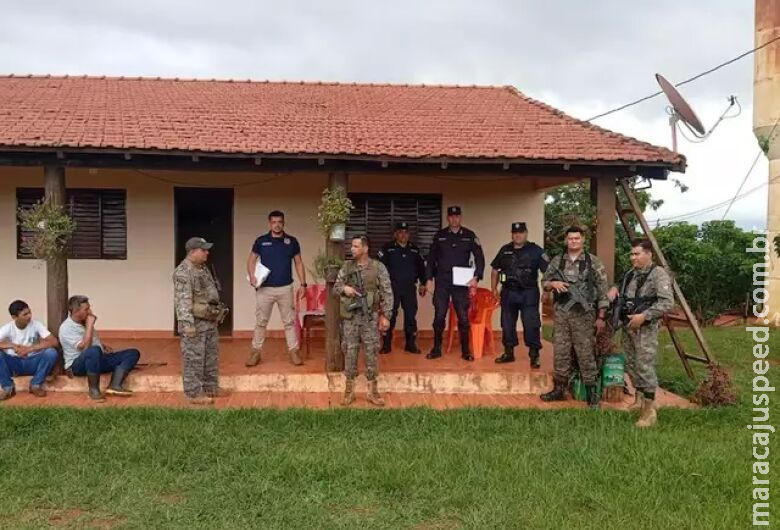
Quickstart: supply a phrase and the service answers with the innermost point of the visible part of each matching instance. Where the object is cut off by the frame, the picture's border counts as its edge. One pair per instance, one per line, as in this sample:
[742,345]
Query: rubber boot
[373,396]
[639,398]
[436,350]
[649,417]
[593,396]
[115,387]
[465,346]
[349,393]
[411,344]
[533,355]
[558,393]
[93,380]
[508,356]
[387,342]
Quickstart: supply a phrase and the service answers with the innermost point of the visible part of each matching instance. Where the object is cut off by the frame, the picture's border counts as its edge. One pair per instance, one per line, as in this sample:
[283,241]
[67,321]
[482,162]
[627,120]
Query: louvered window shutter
[375,215]
[100,218]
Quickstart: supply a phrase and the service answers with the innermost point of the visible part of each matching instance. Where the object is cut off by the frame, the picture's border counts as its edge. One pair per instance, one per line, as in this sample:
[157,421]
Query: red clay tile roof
[361,120]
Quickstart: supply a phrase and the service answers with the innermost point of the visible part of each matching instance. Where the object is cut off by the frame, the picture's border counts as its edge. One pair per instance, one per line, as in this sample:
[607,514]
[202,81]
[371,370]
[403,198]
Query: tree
[571,205]
[710,264]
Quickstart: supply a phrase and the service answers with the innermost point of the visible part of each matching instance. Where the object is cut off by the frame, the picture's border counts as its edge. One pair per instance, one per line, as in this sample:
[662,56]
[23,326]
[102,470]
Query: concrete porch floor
[406,380]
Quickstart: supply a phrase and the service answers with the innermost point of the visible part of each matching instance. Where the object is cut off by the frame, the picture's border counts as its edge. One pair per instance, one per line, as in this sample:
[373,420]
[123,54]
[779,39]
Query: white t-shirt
[32,334]
[71,333]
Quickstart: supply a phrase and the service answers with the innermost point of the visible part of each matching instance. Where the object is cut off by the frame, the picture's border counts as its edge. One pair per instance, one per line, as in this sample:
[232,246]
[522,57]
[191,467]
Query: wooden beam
[334,358]
[57,269]
[602,194]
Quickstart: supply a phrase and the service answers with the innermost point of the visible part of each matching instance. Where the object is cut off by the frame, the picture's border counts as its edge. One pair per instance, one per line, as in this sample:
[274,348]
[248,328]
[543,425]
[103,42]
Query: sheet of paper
[261,273]
[462,275]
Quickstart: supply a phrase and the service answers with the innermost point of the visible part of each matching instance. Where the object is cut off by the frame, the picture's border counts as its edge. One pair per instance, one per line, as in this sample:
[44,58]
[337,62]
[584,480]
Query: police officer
[452,246]
[406,266]
[517,266]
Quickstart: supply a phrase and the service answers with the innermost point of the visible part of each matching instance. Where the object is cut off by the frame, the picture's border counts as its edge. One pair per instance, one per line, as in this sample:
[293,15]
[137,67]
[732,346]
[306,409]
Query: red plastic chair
[481,307]
[311,313]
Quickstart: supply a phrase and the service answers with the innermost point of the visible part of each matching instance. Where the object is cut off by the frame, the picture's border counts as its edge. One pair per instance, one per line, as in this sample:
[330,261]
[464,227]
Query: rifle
[622,307]
[360,302]
[575,296]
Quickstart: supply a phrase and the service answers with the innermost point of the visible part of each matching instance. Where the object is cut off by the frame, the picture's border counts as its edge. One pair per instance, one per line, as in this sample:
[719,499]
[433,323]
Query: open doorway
[208,213]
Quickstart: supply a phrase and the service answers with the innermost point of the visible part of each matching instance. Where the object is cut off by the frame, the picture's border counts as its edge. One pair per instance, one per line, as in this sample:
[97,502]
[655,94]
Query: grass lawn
[414,468]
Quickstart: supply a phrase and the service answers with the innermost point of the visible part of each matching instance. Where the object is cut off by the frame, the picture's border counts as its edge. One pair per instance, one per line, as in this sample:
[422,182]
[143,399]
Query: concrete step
[398,382]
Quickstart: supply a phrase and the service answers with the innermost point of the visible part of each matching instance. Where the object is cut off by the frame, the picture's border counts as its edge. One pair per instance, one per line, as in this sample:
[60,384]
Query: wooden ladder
[624,211]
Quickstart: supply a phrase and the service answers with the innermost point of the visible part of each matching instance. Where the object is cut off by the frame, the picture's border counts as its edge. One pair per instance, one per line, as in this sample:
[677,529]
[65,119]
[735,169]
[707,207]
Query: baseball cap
[197,242]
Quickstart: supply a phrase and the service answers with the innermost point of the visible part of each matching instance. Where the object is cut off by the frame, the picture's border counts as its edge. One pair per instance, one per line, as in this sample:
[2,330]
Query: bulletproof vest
[639,302]
[370,279]
[521,272]
[582,293]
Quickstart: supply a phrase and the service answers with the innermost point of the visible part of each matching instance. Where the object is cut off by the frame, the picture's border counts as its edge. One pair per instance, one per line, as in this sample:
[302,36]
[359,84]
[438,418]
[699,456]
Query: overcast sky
[583,57]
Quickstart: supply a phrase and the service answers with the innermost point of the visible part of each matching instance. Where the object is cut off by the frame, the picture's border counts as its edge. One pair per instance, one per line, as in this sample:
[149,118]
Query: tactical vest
[639,302]
[582,293]
[520,274]
[370,286]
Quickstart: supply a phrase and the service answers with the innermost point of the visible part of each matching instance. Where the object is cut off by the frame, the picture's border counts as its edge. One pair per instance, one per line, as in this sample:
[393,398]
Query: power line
[755,161]
[689,80]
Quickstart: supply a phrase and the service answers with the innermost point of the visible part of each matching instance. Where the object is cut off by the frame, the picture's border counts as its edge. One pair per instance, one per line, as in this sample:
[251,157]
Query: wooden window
[100,217]
[375,215]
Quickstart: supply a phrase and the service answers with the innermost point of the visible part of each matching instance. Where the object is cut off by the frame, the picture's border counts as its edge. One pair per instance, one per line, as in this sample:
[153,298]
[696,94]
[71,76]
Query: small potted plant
[48,230]
[333,213]
[325,267]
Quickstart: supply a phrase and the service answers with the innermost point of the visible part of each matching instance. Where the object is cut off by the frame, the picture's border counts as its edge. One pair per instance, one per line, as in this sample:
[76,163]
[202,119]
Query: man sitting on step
[26,348]
[85,354]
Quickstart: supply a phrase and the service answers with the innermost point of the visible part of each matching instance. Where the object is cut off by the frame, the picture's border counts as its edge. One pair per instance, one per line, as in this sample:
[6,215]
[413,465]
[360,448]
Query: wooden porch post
[334,355]
[602,194]
[57,269]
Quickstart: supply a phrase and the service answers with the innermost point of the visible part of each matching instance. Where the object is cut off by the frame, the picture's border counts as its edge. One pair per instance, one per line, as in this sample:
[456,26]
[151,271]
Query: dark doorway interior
[208,213]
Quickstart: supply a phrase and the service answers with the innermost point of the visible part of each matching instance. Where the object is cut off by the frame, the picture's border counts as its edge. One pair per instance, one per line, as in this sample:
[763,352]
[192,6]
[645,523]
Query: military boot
[649,417]
[558,393]
[593,396]
[116,386]
[639,399]
[373,396]
[254,358]
[7,393]
[508,356]
[533,355]
[295,358]
[465,346]
[93,380]
[349,393]
[436,350]
[411,344]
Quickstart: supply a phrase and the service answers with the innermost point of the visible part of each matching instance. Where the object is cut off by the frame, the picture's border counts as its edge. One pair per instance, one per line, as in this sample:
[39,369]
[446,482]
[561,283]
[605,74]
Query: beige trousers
[284,298]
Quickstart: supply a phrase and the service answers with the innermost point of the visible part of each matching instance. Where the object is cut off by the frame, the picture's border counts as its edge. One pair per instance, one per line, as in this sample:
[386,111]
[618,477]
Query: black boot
[93,380]
[436,350]
[115,387]
[593,396]
[533,354]
[509,355]
[387,343]
[558,393]
[465,346]
[411,344]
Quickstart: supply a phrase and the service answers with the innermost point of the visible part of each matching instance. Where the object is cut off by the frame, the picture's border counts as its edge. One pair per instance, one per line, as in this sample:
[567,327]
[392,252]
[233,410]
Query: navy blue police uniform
[406,267]
[518,269]
[452,249]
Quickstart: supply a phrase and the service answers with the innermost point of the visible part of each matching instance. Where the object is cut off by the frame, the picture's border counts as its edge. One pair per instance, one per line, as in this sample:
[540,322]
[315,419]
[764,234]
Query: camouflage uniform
[360,327]
[575,326]
[200,354]
[642,345]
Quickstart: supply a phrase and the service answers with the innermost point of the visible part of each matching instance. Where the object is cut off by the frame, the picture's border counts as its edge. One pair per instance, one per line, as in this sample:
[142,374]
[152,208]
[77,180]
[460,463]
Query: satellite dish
[681,112]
